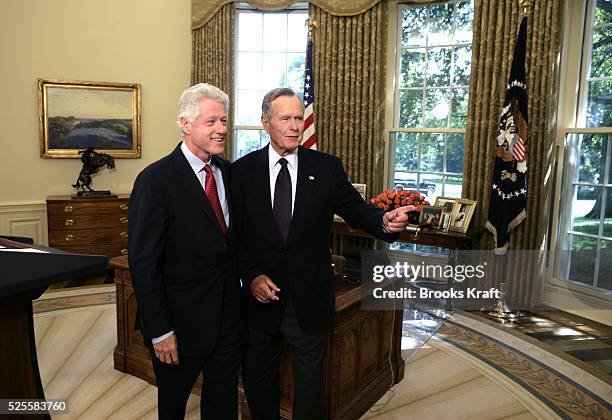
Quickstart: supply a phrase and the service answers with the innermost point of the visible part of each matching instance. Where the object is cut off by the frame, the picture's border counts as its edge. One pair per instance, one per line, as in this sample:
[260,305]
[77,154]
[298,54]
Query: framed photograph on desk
[462,215]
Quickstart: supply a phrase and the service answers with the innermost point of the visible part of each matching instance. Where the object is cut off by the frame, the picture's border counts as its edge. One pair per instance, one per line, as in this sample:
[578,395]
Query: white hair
[191,98]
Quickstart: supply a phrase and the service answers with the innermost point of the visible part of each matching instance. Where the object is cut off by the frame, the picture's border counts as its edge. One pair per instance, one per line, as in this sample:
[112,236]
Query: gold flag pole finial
[525,4]
[310,24]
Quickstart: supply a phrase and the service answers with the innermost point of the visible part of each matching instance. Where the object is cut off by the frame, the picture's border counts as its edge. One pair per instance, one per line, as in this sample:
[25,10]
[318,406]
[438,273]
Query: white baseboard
[27,219]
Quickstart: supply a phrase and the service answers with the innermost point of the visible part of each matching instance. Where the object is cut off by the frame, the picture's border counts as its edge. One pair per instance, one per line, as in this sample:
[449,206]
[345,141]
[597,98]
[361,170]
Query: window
[584,231]
[432,64]
[270,52]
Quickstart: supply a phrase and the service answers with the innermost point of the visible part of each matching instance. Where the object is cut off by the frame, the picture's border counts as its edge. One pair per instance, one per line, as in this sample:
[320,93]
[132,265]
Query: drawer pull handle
[69,222]
[124,251]
[68,209]
[123,220]
[69,237]
[123,206]
[123,235]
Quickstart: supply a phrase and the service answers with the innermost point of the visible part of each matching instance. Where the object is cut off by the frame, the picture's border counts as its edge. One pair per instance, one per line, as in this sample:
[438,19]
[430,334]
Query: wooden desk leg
[19,376]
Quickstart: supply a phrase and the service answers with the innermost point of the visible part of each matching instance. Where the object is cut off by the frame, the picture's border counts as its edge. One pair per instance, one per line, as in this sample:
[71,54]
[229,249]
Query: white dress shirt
[275,167]
[197,165]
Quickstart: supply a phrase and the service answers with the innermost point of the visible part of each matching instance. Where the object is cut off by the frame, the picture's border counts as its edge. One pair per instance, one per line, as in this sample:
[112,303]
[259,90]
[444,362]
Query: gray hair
[191,98]
[266,105]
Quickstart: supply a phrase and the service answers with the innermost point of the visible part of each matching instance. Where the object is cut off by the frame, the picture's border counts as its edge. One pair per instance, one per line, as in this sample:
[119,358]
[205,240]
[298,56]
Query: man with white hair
[182,262]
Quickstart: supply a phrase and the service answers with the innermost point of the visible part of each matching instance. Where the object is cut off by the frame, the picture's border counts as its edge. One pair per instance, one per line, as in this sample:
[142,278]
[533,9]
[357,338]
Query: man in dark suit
[285,198]
[182,262]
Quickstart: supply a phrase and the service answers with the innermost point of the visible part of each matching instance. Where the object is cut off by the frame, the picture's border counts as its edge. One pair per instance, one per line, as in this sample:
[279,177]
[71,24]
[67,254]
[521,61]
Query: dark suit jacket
[301,268]
[183,268]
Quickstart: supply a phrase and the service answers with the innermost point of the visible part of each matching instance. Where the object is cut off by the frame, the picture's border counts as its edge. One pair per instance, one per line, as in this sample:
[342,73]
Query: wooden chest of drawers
[88,226]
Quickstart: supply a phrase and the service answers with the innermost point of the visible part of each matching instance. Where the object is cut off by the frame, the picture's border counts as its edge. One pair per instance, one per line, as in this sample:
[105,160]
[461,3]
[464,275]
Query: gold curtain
[203,10]
[213,58]
[496,24]
[349,77]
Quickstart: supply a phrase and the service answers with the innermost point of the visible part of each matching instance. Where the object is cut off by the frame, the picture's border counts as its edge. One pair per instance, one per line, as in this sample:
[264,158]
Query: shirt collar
[195,162]
[273,157]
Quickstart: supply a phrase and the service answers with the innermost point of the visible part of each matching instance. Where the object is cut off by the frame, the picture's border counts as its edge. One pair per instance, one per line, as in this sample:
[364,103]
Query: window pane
[453,186]
[295,72]
[464,14]
[249,70]
[249,31]
[411,108]
[584,251]
[601,58]
[585,211]
[431,186]
[297,32]
[592,158]
[604,279]
[406,180]
[440,24]
[461,72]
[275,32]
[603,12]
[406,151]
[599,107]
[247,141]
[438,66]
[455,150]
[432,152]
[607,227]
[248,107]
[414,26]
[459,107]
[436,108]
[274,68]
[412,68]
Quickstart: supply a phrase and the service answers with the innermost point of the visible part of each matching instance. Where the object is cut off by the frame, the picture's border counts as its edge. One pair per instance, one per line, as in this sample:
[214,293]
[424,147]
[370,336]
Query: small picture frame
[445,222]
[431,216]
[361,189]
[462,215]
[446,202]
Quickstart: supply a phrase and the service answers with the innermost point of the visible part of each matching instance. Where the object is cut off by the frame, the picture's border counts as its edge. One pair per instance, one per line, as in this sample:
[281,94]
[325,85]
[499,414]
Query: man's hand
[264,289]
[166,351]
[395,220]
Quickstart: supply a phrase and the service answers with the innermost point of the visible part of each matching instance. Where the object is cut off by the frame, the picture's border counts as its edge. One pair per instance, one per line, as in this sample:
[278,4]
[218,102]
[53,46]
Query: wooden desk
[357,360]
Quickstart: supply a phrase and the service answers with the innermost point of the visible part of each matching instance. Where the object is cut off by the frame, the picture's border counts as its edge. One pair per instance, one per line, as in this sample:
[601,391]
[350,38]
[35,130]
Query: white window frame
[242,7]
[563,294]
[392,101]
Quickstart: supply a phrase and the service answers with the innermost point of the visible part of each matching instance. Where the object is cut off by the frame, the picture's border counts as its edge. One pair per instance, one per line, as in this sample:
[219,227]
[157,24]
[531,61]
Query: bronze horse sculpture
[92,162]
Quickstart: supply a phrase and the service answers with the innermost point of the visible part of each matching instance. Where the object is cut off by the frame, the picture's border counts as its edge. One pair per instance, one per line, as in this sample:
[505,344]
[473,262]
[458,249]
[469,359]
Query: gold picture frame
[74,115]
[431,216]
[461,217]
[446,202]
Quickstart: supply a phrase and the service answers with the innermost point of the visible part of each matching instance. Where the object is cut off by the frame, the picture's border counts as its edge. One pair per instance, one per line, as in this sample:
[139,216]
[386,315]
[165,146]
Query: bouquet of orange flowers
[390,200]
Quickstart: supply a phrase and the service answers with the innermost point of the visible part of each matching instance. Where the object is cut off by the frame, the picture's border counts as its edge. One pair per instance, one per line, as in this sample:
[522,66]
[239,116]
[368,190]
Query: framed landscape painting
[75,115]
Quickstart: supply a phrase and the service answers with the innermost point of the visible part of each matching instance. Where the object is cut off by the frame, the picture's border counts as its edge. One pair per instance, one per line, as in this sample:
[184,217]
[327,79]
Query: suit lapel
[192,185]
[306,181]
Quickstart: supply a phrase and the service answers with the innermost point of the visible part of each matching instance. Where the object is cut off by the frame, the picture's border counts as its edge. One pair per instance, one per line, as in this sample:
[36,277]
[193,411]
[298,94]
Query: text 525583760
[33,406]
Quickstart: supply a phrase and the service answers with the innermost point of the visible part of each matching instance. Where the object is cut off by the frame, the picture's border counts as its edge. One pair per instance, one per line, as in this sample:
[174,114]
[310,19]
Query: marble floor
[464,369]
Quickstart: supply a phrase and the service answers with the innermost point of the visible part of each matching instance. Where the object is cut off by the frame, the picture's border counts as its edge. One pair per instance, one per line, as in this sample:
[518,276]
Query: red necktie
[210,188]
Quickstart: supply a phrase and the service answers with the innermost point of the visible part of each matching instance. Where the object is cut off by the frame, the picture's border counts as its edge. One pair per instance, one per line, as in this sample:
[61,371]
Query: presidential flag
[309,139]
[509,187]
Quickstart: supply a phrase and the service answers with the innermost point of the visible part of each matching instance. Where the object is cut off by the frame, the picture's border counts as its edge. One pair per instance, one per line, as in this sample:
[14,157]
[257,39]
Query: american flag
[309,139]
